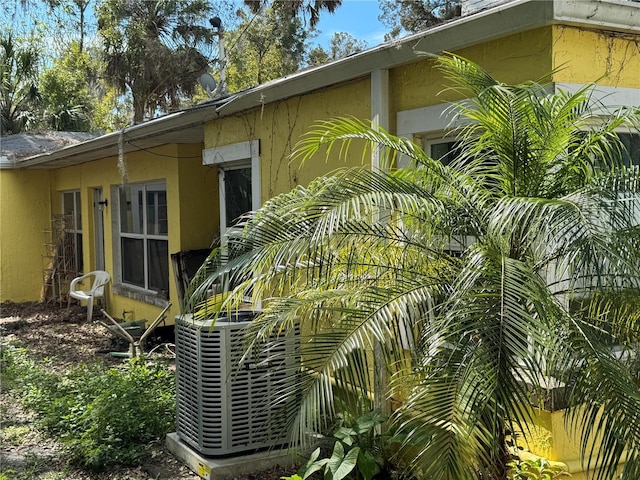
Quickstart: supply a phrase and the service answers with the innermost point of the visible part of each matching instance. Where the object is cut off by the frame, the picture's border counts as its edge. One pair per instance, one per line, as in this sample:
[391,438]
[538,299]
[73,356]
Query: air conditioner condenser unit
[225,405]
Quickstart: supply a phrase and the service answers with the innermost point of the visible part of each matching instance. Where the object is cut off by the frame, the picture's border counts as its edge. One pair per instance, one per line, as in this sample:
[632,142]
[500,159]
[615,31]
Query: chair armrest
[77,280]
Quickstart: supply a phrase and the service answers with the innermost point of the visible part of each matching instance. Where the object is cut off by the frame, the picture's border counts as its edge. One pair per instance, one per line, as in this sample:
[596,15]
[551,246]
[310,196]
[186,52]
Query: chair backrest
[100,279]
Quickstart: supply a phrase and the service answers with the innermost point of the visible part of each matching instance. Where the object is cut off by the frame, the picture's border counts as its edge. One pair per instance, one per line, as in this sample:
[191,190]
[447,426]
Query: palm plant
[152,50]
[18,80]
[482,282]
[312,8]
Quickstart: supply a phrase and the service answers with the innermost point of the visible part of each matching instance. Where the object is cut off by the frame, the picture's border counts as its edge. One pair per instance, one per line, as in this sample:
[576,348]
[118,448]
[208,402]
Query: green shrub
[104,417]
[356,451]
[540,469]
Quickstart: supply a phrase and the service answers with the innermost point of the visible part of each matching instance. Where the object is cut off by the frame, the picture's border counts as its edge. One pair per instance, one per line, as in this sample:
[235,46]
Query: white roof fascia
[152,128]
[618,15]
[496,22]
[605,96]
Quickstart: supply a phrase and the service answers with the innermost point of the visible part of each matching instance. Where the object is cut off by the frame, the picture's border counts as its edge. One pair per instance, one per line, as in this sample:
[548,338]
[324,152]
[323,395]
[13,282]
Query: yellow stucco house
[138,197]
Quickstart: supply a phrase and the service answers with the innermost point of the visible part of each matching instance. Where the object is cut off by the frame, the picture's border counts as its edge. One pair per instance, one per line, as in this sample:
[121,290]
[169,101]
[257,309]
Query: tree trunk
[138,109]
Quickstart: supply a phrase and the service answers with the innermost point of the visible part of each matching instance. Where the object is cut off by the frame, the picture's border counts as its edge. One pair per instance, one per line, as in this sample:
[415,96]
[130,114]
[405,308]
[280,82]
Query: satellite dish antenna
[208,83]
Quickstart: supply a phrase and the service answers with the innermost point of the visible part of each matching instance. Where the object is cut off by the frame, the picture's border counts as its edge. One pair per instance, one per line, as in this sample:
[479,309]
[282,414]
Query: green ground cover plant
[540,469]
[102,416]
[355,449]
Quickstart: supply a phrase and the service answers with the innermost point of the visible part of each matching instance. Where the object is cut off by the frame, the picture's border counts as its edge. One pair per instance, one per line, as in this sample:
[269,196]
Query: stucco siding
[584,56]
[198,194]
[24,217]
[512,59]
[280,126]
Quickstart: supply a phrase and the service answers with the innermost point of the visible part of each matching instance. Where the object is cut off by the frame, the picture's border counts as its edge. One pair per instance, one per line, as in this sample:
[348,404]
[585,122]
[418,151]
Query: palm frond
[483,284]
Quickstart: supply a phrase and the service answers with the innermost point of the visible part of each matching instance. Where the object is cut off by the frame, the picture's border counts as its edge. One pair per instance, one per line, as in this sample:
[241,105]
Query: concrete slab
[229,467]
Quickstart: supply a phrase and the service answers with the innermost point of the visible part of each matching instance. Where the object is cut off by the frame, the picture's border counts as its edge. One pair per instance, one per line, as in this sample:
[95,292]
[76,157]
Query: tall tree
[153,50]
[416,15]
[296,8]
[68,100]
[512,267]
[341,45]
[263,47]
[18,78]
[73,16]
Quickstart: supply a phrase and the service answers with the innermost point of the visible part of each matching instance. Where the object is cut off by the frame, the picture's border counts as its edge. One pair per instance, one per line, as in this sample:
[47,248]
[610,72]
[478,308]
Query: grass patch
[13,434]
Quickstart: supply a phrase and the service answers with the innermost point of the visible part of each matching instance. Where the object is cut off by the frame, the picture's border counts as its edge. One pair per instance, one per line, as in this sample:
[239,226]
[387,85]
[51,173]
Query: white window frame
[237,155]
[427,123]
[142,293]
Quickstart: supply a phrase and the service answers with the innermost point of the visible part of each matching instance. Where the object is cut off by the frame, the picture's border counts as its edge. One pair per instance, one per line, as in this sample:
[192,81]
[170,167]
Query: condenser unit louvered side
[223,408]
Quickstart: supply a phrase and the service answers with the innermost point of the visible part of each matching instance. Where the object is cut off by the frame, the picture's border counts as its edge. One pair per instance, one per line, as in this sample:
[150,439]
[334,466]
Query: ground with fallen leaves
[65,337]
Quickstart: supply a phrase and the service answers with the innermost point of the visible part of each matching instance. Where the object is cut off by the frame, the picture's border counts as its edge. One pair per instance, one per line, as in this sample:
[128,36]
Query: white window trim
[437,118]
[608,97]
[428,140]
[236,155]
[120,287]
[427,122]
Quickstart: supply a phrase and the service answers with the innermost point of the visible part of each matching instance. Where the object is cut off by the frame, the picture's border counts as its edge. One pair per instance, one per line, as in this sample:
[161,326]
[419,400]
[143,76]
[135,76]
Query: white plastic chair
[101,278]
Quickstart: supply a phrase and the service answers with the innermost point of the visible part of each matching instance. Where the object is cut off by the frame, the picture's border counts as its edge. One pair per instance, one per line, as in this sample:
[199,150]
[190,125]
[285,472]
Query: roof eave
[108,143]
[513,17]
[497,22]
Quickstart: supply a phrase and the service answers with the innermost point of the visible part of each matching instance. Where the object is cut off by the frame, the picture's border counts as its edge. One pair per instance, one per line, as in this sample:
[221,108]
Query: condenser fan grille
[224,408]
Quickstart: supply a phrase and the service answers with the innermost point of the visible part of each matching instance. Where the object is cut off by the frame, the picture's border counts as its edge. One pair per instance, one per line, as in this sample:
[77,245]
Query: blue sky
[356,17]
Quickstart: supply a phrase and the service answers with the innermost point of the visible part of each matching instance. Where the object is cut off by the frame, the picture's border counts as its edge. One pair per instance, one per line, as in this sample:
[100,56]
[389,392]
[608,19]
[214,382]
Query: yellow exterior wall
[577,56]
[583,56]
[512,59]
[191,210]
[548,438]
[25,213]
[279,127]
[198,194]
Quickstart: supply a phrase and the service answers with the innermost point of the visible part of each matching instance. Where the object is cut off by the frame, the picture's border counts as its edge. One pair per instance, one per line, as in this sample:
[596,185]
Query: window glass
[133,261]
[158,253]
[78,212]
[68,205]
[131,209]
[73,228]
[143,230]
[79,258]
[444,151]
[631,153]
[156,210]
[237,188]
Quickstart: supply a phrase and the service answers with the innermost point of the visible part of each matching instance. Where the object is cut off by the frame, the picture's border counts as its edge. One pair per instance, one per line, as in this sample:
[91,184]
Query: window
[143,229]
[235,201]
[73,228]
[235,193]
[239,170]
[444,150]
[631,153]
